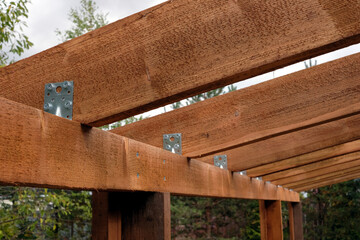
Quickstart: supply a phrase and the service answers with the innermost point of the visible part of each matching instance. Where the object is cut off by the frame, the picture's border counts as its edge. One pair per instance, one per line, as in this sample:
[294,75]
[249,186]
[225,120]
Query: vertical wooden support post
[131,215]
[295,221]
[270,220]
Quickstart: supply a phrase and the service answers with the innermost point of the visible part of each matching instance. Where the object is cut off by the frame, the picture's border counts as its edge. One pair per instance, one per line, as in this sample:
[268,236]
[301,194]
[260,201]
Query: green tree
[12,39]
[84,20]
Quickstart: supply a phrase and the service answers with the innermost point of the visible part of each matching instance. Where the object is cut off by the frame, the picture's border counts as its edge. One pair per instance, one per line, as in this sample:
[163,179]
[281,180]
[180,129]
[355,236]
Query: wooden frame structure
[299,131]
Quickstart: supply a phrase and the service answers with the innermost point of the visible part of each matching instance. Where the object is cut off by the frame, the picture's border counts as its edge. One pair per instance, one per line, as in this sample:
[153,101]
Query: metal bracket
[242,173]
[220,161]
[58,99]
[172,143]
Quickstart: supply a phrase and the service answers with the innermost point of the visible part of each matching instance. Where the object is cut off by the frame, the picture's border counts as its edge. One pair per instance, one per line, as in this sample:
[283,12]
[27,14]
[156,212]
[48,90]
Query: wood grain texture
[328,176]
[328,182]
[265,116]
[270,220]
[295,221]
[40,149]
[131,215]
[178,49]
[308,175]
[331,162]
[334,152]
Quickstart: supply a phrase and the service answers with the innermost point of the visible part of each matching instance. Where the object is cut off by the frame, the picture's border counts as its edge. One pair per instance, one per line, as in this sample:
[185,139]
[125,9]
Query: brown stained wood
[131,215]
[178,49]
[40,149]
[328,182]
[323,177]
[331,162]
[293,144]
[295,221]
[270,220]
[253,118]
[317,172]
[292,163]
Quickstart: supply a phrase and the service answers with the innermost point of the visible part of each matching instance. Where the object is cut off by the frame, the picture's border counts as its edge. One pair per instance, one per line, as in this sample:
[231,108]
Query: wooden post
[131,215]
[295,221]
[270,220]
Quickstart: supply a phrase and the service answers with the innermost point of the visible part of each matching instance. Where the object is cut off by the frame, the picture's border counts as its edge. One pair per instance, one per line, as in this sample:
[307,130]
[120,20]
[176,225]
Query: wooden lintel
[41,149]
[179,49]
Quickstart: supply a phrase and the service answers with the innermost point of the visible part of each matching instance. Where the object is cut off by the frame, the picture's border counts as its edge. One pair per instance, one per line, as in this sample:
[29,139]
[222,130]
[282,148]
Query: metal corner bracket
[58,99]
[172,143]
[220,161]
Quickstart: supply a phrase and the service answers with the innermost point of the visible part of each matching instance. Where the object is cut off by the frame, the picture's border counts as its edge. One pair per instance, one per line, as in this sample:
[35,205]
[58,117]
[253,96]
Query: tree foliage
[12,39]
[83,20]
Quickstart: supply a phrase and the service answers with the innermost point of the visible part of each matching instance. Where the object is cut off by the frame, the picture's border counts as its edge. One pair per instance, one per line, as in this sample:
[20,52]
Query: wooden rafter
[40,149]
[336,152]
[310,174]
[328,176]
[282,118]
[327,182]
[330,162]
[178,49]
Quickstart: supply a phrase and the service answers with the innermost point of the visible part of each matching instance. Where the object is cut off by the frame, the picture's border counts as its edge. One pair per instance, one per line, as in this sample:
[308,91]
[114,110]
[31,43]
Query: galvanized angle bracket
[172,143]
[58,99]
[220,161]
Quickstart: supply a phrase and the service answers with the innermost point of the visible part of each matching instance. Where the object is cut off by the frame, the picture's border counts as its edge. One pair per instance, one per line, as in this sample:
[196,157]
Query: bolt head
[168,147]
[49,87]
[47,106]
[176,146]
[66,84]
[68,104]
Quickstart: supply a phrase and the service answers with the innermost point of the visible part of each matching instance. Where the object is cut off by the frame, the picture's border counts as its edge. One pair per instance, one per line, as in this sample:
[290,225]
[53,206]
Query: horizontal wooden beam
[328,182]
[40,149]
[323,177]
[178,49]
[317,172]
[331,162]
[291,164]
[259,120]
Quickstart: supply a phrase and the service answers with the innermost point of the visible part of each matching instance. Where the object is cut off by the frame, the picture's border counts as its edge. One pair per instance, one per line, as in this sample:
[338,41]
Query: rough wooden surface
[178,49]
[265,116]
[327,182]
[131,215]
[270,220]
[327,176]
[294,162]
[310,174]
[40,149]
[295,221]
[317,166]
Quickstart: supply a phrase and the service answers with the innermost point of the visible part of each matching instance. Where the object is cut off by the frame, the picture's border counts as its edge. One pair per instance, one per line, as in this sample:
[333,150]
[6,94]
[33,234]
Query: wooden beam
[317,166]
[40,149]
[178,49]
[328,182]
[270,220]
[266,116]
[131,215]
[318,172]
[295,221]
[291,164]
[327,176]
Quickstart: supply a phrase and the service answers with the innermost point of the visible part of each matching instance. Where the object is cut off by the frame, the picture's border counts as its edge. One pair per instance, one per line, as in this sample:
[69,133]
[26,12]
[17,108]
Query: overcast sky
[46,16]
